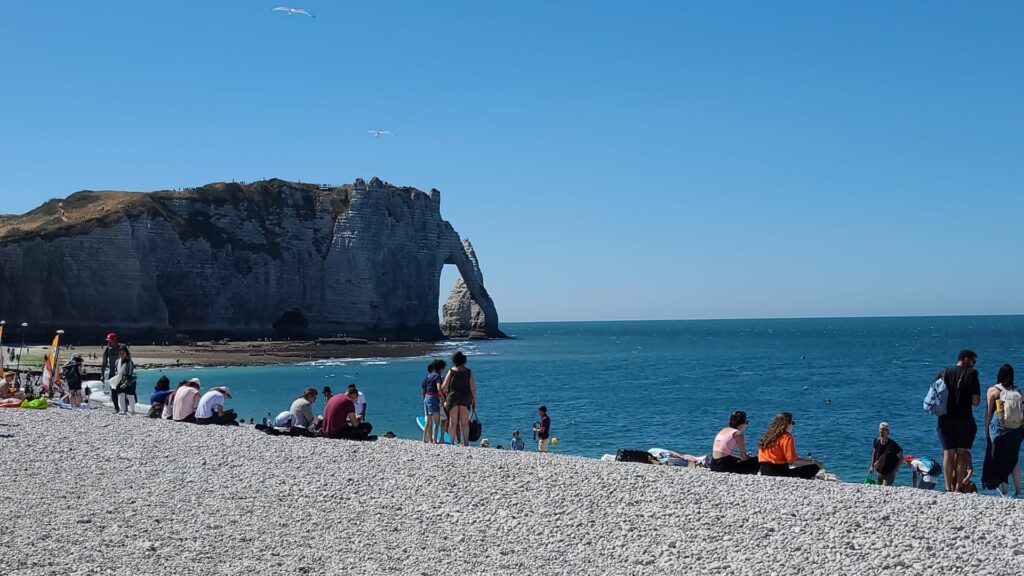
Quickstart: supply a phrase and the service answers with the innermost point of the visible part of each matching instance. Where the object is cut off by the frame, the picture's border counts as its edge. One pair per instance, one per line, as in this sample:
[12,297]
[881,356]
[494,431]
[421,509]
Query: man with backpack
[957,427]
[74,372]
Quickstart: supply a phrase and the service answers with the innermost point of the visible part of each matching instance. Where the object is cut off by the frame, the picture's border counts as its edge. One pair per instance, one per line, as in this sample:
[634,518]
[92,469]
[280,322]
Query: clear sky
[609,159]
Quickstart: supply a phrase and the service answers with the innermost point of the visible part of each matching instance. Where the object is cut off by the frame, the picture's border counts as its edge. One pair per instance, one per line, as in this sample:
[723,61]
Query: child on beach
[517,443]
[924,472]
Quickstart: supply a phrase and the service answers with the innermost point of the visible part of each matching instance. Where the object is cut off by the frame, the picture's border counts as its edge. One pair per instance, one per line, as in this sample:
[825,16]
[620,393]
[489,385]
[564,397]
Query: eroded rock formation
[462,316]
[271,258]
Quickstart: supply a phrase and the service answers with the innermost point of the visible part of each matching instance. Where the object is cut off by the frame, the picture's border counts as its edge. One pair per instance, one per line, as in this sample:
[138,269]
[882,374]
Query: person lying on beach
[186,398]
[729,451]
[211,408]
[776,451]
[340,420]
[9,388]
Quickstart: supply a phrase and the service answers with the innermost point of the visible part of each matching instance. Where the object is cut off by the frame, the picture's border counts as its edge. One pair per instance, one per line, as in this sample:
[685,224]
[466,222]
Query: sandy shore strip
[217,354]
[94,493]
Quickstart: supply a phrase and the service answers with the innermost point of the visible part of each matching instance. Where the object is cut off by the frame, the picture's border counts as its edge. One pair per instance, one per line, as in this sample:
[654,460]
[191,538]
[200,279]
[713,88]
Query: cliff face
[272,258]
[462,316]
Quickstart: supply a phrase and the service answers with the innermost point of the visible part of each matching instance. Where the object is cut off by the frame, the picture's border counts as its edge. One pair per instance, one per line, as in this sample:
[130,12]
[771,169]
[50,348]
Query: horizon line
[728,319]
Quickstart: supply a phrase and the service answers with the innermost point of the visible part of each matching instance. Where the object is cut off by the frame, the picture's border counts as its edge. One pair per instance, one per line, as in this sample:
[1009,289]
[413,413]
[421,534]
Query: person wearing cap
[110,358]
[185,400]
[74,374]
[729,451]
[886,456]
[924,471]
[211,408]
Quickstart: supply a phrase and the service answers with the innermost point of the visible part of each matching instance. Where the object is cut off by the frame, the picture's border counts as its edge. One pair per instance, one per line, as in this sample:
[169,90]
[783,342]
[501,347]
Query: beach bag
[639,456]
[1011,416]
[937,398]
[870,479]
[476,429]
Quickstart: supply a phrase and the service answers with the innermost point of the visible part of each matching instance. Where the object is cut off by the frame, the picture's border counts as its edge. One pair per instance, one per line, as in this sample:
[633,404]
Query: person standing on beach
[543,429]
[126,380]
[74,373]
[110,358]
[886,456]
[776,451]
[1004,431]
[459,388]
[431,396]
[957,428]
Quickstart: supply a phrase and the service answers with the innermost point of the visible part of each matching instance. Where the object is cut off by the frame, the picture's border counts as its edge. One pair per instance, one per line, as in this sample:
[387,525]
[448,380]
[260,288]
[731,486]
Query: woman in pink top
[729,453]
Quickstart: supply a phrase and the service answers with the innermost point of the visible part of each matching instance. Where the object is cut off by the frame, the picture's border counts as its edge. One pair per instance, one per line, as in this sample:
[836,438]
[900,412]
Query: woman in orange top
[777,451]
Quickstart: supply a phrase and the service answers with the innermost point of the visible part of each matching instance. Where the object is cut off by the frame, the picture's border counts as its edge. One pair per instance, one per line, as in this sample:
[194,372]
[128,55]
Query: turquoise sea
[673,384]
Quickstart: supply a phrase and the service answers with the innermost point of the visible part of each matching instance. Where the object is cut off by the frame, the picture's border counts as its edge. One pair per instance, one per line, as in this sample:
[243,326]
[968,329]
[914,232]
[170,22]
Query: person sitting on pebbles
[185,399]
[9,388]
[341,421]
[777,451]
[211,408]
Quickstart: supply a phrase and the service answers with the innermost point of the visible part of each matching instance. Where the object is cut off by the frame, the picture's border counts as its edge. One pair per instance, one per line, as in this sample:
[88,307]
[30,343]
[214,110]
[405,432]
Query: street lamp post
[24,326]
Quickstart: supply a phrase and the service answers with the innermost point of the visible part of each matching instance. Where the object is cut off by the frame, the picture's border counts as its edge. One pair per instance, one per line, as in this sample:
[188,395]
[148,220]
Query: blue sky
[608,159]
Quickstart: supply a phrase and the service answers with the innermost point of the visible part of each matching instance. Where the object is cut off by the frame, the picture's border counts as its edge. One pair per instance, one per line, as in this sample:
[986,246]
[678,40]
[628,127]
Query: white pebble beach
[94,493]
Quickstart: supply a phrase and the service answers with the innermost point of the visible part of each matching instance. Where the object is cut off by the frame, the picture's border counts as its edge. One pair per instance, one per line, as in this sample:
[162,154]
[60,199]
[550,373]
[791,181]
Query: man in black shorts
[957,427]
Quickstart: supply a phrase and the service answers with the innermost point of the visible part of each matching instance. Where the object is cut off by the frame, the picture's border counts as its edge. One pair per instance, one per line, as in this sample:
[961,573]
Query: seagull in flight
[379,133]
[292,11]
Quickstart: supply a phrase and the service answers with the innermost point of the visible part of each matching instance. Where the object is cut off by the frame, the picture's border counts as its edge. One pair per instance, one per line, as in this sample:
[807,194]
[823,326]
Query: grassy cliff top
[88,210]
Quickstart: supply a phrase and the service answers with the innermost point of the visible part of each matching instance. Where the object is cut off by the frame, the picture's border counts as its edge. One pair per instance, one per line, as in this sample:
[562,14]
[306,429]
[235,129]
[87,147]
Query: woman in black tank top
[459,389]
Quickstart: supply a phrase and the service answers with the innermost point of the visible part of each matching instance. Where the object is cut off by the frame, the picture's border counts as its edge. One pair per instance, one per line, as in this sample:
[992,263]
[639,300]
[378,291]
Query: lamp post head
[60,331]
[24,324]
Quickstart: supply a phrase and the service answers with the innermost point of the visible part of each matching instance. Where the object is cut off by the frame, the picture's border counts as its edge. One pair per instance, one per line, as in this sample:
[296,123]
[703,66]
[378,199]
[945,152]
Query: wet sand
[214,354]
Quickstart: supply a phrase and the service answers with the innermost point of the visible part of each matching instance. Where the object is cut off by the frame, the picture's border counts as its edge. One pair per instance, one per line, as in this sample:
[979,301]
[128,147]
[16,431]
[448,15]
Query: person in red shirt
[340,420]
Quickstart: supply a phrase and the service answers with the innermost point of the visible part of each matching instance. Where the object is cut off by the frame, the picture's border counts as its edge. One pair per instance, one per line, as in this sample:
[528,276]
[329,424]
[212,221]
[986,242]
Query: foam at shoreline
[247,503]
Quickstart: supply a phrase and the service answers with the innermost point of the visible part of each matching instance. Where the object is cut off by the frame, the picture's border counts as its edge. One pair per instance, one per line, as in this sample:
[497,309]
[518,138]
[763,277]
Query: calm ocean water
[673,384]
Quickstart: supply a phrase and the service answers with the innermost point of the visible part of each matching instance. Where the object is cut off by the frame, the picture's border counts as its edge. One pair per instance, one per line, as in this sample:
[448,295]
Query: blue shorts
[432,405]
